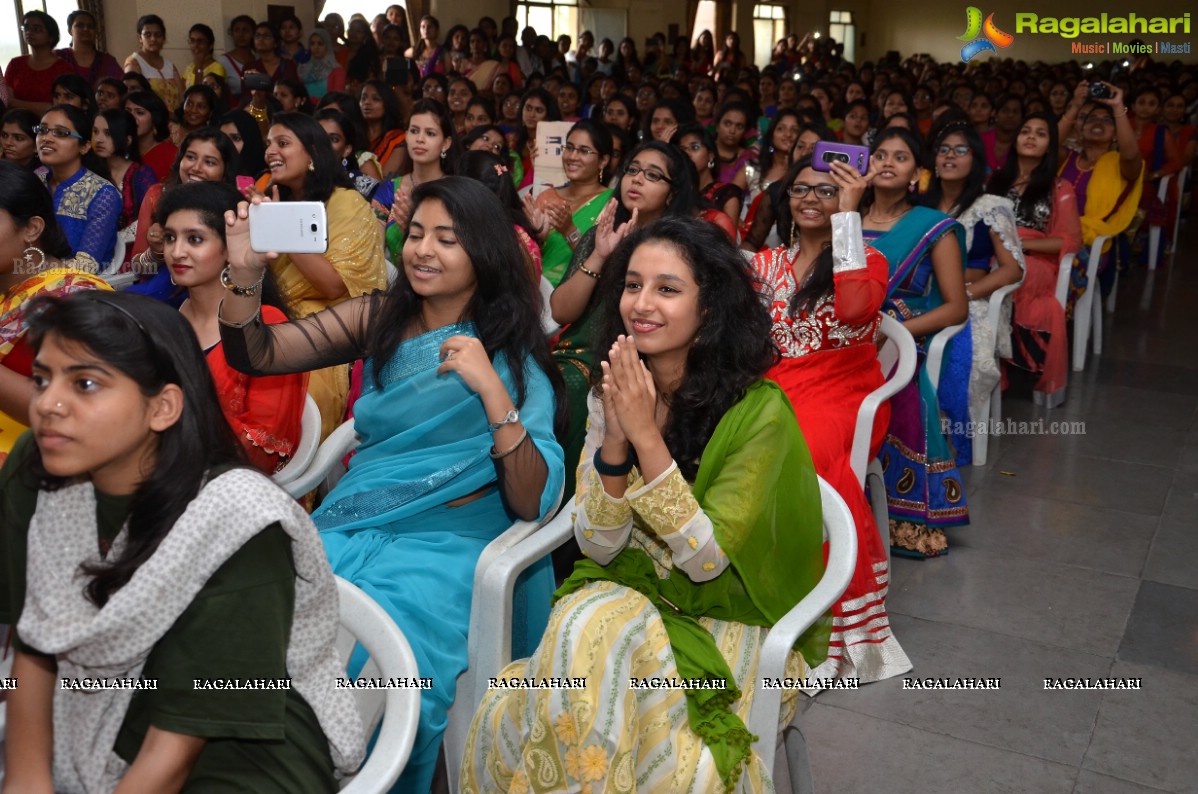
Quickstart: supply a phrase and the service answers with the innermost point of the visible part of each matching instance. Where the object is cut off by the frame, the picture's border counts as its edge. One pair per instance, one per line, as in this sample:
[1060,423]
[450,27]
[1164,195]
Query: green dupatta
[757,485]
[556,252]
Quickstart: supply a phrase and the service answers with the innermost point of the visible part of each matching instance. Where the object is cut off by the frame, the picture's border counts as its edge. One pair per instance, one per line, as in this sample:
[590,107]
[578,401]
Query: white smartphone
[289,227]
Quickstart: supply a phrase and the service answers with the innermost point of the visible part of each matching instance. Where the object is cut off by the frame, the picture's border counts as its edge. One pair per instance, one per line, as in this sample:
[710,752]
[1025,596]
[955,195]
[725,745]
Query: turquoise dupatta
[426,440]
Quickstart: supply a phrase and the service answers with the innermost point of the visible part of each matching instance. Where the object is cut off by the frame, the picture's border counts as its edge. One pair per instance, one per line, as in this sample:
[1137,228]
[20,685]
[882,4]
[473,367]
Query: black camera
[256,81]
[1100,90]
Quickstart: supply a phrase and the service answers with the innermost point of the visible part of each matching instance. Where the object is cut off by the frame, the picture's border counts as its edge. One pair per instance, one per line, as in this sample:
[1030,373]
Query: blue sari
[923,488]
[387,529]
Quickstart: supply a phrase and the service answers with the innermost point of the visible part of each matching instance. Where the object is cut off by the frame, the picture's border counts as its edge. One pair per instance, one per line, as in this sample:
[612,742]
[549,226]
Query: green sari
[556,255]
[757,484]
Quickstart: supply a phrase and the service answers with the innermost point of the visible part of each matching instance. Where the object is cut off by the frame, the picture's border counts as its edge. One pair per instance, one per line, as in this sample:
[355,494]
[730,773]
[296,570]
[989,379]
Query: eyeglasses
[824,192]
[585,151]
[652,176]
[960,150]
[57,132]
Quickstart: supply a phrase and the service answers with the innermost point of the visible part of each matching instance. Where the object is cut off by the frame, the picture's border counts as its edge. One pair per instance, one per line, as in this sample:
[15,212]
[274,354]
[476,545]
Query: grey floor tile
[1165,377]
[1173,558]
[1148,736]
[1126,403]
[1161,629]
[1020,716]
[1131,487]
[1107,438]
[1055,531]
[1094,783]
[1059,605]
[855,753]
[1182,500]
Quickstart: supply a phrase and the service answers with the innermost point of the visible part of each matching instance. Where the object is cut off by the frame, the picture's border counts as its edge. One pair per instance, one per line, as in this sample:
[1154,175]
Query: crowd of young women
[716,294]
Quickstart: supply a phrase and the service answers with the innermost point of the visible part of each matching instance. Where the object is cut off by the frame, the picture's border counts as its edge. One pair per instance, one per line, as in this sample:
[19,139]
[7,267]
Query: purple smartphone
[826,152]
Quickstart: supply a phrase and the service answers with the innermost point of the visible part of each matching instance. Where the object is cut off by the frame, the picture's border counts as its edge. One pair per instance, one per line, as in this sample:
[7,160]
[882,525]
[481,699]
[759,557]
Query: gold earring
[29,266]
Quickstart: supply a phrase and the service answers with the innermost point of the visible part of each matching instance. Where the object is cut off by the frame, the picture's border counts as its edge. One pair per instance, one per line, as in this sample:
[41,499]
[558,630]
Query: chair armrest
[329,455]
[1063,271]
[842,559]
[899,336]
[995,302]
[936,350]
[119,281]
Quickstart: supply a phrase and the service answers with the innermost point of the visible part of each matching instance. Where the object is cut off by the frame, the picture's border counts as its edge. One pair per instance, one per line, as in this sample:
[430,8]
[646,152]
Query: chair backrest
[897,358]
[841,535]
[113,266]
[327,460]
[305,450]
[363,621]
[548,324]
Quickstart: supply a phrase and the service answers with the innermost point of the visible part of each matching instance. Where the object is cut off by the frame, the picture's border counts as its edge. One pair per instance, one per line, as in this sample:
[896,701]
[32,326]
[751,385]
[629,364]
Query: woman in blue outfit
[456,421]
[926,292]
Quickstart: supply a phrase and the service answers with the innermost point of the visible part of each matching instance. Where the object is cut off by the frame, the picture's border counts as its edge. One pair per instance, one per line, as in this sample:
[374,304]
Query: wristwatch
[511,418]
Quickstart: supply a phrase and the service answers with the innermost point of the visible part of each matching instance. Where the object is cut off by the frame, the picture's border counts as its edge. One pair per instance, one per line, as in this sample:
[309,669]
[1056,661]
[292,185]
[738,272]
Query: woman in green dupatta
[699,509]
[573,208]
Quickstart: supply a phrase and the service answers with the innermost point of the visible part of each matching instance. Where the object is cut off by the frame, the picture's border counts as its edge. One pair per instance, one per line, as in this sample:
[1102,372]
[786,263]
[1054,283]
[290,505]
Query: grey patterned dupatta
[115,641]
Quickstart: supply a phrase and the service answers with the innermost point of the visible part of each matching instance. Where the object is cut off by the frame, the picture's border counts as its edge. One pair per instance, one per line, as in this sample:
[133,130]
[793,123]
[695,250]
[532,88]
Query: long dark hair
[79,87]
[122,128]
[683,113]
[157,109]
[683,200]
[392,110]
[506,313]
[819,281]
[24,197]
[975,181]
[215,105]
[153,344]
[252,160]
[223,144]
[551,114]
[210,201]
[82,122]
[326,173]
[1040,181]
[733,348]
[492,171]
[725,109]
[441,113]
[765,159]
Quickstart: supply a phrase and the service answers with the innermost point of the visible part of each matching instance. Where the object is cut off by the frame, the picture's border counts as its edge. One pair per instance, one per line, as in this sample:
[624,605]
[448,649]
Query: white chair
[1087,312]
[898,359]
[363,621]
[1154,232]
[841,535]
[500,564]
[548,324]
[991,413]
[1182,177]
[305,451]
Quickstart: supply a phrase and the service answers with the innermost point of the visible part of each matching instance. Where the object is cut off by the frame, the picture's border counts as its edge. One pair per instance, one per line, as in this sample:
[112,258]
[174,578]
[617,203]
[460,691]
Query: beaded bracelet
[588,272]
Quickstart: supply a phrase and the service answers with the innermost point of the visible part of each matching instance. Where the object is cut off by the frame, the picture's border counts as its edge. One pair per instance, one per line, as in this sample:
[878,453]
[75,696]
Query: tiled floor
[1081,559]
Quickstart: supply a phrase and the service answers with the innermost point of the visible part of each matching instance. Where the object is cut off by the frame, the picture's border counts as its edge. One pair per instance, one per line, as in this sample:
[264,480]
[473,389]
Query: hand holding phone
[828,152]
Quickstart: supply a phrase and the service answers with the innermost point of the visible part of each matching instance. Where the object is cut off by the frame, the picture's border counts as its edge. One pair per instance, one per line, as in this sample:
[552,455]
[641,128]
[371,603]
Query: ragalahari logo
[990,37]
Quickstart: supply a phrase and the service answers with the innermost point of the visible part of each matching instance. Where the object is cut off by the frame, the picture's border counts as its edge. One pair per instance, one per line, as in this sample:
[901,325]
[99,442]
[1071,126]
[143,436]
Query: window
[842,29]
[769,26]
[12,43]
[550,18]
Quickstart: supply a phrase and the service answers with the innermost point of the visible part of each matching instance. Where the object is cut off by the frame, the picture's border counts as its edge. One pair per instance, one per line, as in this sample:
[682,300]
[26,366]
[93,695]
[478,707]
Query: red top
[34,85]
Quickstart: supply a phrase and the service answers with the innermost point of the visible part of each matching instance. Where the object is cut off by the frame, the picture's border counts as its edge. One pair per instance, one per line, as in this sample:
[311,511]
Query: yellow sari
[61,281]
[356,252]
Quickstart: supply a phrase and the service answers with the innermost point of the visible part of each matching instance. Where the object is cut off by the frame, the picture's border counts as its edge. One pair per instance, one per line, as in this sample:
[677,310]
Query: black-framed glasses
[585,151]
[824,192]
[960,150]
[57,132]
[652,176]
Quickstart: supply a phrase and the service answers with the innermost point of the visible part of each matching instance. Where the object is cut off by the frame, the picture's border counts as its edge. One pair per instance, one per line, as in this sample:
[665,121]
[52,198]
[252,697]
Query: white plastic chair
[363,621]
[991,413]
[1154,232]
[898,359]
[548,324]
[305,451]
[489,637]
[1087,313]
[841,534]
[1183,176]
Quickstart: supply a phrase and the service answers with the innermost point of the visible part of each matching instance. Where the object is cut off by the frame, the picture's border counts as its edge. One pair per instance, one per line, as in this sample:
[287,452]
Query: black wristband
[608,470]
